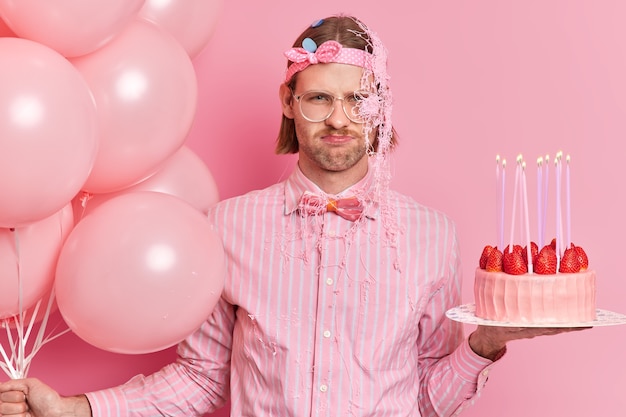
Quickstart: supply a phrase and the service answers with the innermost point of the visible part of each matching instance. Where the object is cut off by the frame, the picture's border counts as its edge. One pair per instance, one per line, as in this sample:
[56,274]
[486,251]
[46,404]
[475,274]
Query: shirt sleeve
[195,384]
[451,374]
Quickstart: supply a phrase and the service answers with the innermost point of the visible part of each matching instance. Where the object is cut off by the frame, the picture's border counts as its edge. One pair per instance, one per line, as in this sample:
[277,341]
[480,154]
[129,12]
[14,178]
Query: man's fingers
[15,396]
[13,403]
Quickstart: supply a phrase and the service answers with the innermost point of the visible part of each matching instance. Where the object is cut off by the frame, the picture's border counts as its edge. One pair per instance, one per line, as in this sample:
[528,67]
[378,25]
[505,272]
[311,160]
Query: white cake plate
[465,314]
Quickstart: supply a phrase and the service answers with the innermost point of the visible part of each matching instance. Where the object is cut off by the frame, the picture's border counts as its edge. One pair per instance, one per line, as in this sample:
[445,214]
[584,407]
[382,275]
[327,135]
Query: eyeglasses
[317,106]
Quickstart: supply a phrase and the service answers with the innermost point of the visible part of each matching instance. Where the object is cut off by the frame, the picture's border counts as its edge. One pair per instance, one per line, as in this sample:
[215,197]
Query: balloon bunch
[102,206]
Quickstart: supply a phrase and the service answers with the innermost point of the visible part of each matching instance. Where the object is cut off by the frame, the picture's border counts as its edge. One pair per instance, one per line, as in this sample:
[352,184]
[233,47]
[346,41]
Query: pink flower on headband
[329,51]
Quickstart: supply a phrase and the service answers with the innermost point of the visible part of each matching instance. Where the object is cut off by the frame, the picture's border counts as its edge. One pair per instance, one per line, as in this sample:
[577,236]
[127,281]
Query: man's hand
[489,341]
[32,398]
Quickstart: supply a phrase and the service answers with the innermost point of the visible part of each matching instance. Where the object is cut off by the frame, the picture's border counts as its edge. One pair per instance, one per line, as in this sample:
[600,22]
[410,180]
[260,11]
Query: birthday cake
[555,286]
[549,297]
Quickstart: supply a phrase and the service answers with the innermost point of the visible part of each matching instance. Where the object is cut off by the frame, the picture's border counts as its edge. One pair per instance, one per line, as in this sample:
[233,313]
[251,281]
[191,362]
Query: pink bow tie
[348,208]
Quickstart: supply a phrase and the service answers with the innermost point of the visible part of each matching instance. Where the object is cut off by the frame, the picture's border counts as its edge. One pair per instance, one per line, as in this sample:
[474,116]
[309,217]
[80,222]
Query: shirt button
[329,281]
[485,373]
[323,387]
[327,333]
[331,233]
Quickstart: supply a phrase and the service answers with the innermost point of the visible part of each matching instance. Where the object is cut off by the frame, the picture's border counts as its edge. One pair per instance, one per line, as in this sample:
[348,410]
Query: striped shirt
[321,316]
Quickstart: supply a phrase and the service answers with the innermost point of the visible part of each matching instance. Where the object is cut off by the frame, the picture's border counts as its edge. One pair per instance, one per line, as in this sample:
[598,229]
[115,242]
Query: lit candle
[539,204]
[515,188]
[498,198]
[544,217]
[522,230]
[529,255]
[501,243]
[559,229]
[567,205]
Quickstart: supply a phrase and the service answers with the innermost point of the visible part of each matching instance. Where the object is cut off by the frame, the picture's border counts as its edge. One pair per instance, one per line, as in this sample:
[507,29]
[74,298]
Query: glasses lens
[352,105]
[316,105]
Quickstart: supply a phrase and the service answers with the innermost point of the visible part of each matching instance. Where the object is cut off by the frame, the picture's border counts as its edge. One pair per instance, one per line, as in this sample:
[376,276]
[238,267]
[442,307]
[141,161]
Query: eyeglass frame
[332,104]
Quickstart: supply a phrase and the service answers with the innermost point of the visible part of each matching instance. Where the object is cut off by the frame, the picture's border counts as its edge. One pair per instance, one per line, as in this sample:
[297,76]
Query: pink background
[471,80]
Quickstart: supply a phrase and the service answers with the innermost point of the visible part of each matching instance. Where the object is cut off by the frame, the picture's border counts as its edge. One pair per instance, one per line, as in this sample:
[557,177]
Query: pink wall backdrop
[471,80]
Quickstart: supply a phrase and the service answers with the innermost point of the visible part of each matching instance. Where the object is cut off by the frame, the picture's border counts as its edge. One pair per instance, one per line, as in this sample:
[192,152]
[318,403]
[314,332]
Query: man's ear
[286,100]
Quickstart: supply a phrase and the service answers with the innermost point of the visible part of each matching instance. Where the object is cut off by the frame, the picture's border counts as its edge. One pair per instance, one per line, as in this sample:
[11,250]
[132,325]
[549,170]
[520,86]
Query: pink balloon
[145,89]
[35,248]
[6,31]
[184,175]
[48,139]
[191,22]
[72,28]
[140,273]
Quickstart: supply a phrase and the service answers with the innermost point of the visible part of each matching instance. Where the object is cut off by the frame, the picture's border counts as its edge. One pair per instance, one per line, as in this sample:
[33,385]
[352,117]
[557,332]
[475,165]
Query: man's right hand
[32,398]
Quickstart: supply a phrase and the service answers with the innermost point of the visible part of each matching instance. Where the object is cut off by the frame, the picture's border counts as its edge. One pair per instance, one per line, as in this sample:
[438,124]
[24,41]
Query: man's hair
[346,30]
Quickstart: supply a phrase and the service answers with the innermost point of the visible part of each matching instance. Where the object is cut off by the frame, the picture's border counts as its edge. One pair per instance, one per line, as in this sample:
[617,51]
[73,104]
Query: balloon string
[41,340]
[18,363]
[7,366]
[20,304]
[18,264]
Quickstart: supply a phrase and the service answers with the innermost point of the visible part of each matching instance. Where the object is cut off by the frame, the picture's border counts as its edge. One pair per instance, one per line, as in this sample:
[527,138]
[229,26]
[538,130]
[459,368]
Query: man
[337,286]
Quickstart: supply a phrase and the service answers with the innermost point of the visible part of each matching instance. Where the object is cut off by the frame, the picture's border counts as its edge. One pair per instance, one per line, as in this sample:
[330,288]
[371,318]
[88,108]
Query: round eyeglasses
[317,106]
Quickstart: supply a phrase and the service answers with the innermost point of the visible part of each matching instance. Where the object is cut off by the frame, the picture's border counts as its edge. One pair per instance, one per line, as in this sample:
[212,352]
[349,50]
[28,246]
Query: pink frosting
[534,298]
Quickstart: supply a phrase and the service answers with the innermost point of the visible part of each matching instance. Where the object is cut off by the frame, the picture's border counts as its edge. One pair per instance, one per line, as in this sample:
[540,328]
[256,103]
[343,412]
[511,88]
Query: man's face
[335,144]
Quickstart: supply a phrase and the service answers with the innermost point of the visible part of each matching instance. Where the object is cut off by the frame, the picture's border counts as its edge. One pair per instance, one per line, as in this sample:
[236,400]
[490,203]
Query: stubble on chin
[332,158]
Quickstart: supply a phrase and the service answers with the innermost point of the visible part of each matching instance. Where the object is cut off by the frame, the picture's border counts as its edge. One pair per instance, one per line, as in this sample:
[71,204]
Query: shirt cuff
[108,402]
[471,367]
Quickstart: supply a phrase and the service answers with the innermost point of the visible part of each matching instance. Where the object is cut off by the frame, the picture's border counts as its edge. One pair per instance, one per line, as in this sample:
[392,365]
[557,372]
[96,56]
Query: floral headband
[329,51]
